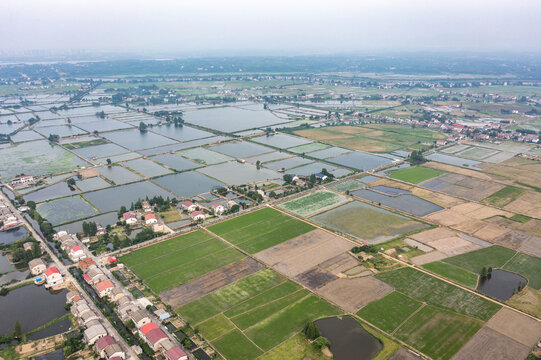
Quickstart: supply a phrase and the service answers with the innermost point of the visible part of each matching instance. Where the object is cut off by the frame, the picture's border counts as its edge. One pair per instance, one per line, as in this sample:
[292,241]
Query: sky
[281,27]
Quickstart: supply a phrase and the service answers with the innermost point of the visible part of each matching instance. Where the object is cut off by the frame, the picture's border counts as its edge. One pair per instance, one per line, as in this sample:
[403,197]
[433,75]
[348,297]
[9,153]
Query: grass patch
[296,347]
[285,323]
[536,188]
[260,229]
[170,215]
[347,186]
[528,266]
[438,333]
[453,272]
[234,294]
[414,174]
[528,300]
[426,288]
[312,203]
[216,327]
[390,311]
[504,196]
[493,256]
[234,345]
[520,218]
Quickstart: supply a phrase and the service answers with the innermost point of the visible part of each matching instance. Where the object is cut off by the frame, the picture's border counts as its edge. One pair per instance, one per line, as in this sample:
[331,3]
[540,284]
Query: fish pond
[349,340]
[500,284]
[66,209]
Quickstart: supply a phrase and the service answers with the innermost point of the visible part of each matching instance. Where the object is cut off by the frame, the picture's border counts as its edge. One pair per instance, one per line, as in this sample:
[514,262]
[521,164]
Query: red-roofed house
[197,215]
[150,219]
[77,253]
[129,218]
[87,278]
[218,208]
[53,276]
[104,288]
[176,353]
[102,343]
[189,206]
[153,335]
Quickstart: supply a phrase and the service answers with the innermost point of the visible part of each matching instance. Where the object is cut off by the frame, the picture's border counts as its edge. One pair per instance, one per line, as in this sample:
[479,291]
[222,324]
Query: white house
[130,218]
[37,266]
[197,215]
[76,253]
[218,208]
[53,276]
[150,219]
[189,206]
[94,333]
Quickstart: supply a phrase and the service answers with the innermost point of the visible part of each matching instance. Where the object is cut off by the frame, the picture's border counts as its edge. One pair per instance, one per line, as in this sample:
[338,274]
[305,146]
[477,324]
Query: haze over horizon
[238,27]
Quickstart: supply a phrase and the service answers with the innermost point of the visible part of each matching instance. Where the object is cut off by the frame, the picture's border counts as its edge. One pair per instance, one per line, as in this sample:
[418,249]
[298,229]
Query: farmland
[370,138]
[312,203]
[260,229]
[415,174]
[175,261]
[504,196]
[423,287]
[453,272]
[493,256]
[259,312]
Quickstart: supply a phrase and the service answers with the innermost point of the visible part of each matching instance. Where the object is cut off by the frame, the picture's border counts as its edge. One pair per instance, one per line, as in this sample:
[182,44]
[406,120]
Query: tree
[17,331]
[288,178]
[109,162]
[416,157]
[235,208]
[71,182]
[142,127]
[484,272]
[258,165]
[321,342]
[311,330]
[53,138]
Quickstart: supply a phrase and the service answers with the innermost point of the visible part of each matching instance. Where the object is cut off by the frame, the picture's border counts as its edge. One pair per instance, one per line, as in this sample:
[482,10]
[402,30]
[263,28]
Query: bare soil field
[316,278]
[528,204]
[352,294]
[403,354]
[528,300]
[532,246]
[488,344]
[447,218]
[532,227]
[302,253]
[513,239]
[214,280]
[443,200]
[428,258]
[457,170]
[518,327]
[515,170]
[339,263]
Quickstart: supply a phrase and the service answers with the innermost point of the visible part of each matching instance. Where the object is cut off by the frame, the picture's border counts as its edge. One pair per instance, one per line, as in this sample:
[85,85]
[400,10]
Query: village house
[104,288]
[189,206]
[130,218]
[102,343]
[86,263]
[197,216]
[79,308]
[94,275]
[150,219]
[53,277]
[153,335]
[37,266]
[87,317]
[73,297]
[140,318]
[28,246]
[146,206]
[125,310]
[23,181]
[116,294]
[76,253]
[94,333]
[218,208]
[114,351]
[175,353]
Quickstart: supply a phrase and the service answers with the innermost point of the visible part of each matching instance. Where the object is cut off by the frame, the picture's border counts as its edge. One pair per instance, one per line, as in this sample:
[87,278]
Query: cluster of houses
[146,217]
[23,181]
[70,244]
[95,333]
[128,309]
[7,218]
[196,211]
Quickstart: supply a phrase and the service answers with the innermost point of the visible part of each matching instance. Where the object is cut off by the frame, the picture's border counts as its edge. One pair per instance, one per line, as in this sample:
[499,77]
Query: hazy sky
[189,27]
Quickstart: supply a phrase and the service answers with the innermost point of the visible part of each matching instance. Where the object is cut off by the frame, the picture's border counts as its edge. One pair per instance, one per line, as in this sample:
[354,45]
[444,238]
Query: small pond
[7,237]
[349,340]
[500,284]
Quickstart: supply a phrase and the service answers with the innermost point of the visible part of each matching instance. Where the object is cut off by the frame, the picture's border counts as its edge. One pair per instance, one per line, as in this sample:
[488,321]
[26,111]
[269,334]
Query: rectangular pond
[66,209]
[77,226]
[360,160]
[93,183]
[117,174]
[281,141]
[100,151]
[146,167]
[175,162]
[407,203]
[54,191]
[188,184]
[235,173]
[287,163]
[181,133]
[454,160]
[134,139]
[241,149]
[204,156]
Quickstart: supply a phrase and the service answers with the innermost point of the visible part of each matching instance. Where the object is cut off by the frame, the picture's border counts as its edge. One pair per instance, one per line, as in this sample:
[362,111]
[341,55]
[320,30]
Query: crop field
[504,196]
[438,333]
[296,346]
[66,209]
[492,256]
[528,266]
[463,186]
[260,229]
[477,153]
[389,312]
[528,300]
[176,261]
[372,138]
[261,310]
[415,174]
[453,272]
[366,222]
[312,203]
[423,287]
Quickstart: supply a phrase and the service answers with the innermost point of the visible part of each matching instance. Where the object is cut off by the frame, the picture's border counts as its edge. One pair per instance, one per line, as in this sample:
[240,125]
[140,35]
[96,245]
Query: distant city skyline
[238,27]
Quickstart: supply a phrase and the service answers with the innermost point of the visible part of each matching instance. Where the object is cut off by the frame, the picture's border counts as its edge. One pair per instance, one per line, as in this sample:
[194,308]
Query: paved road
[68,277]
